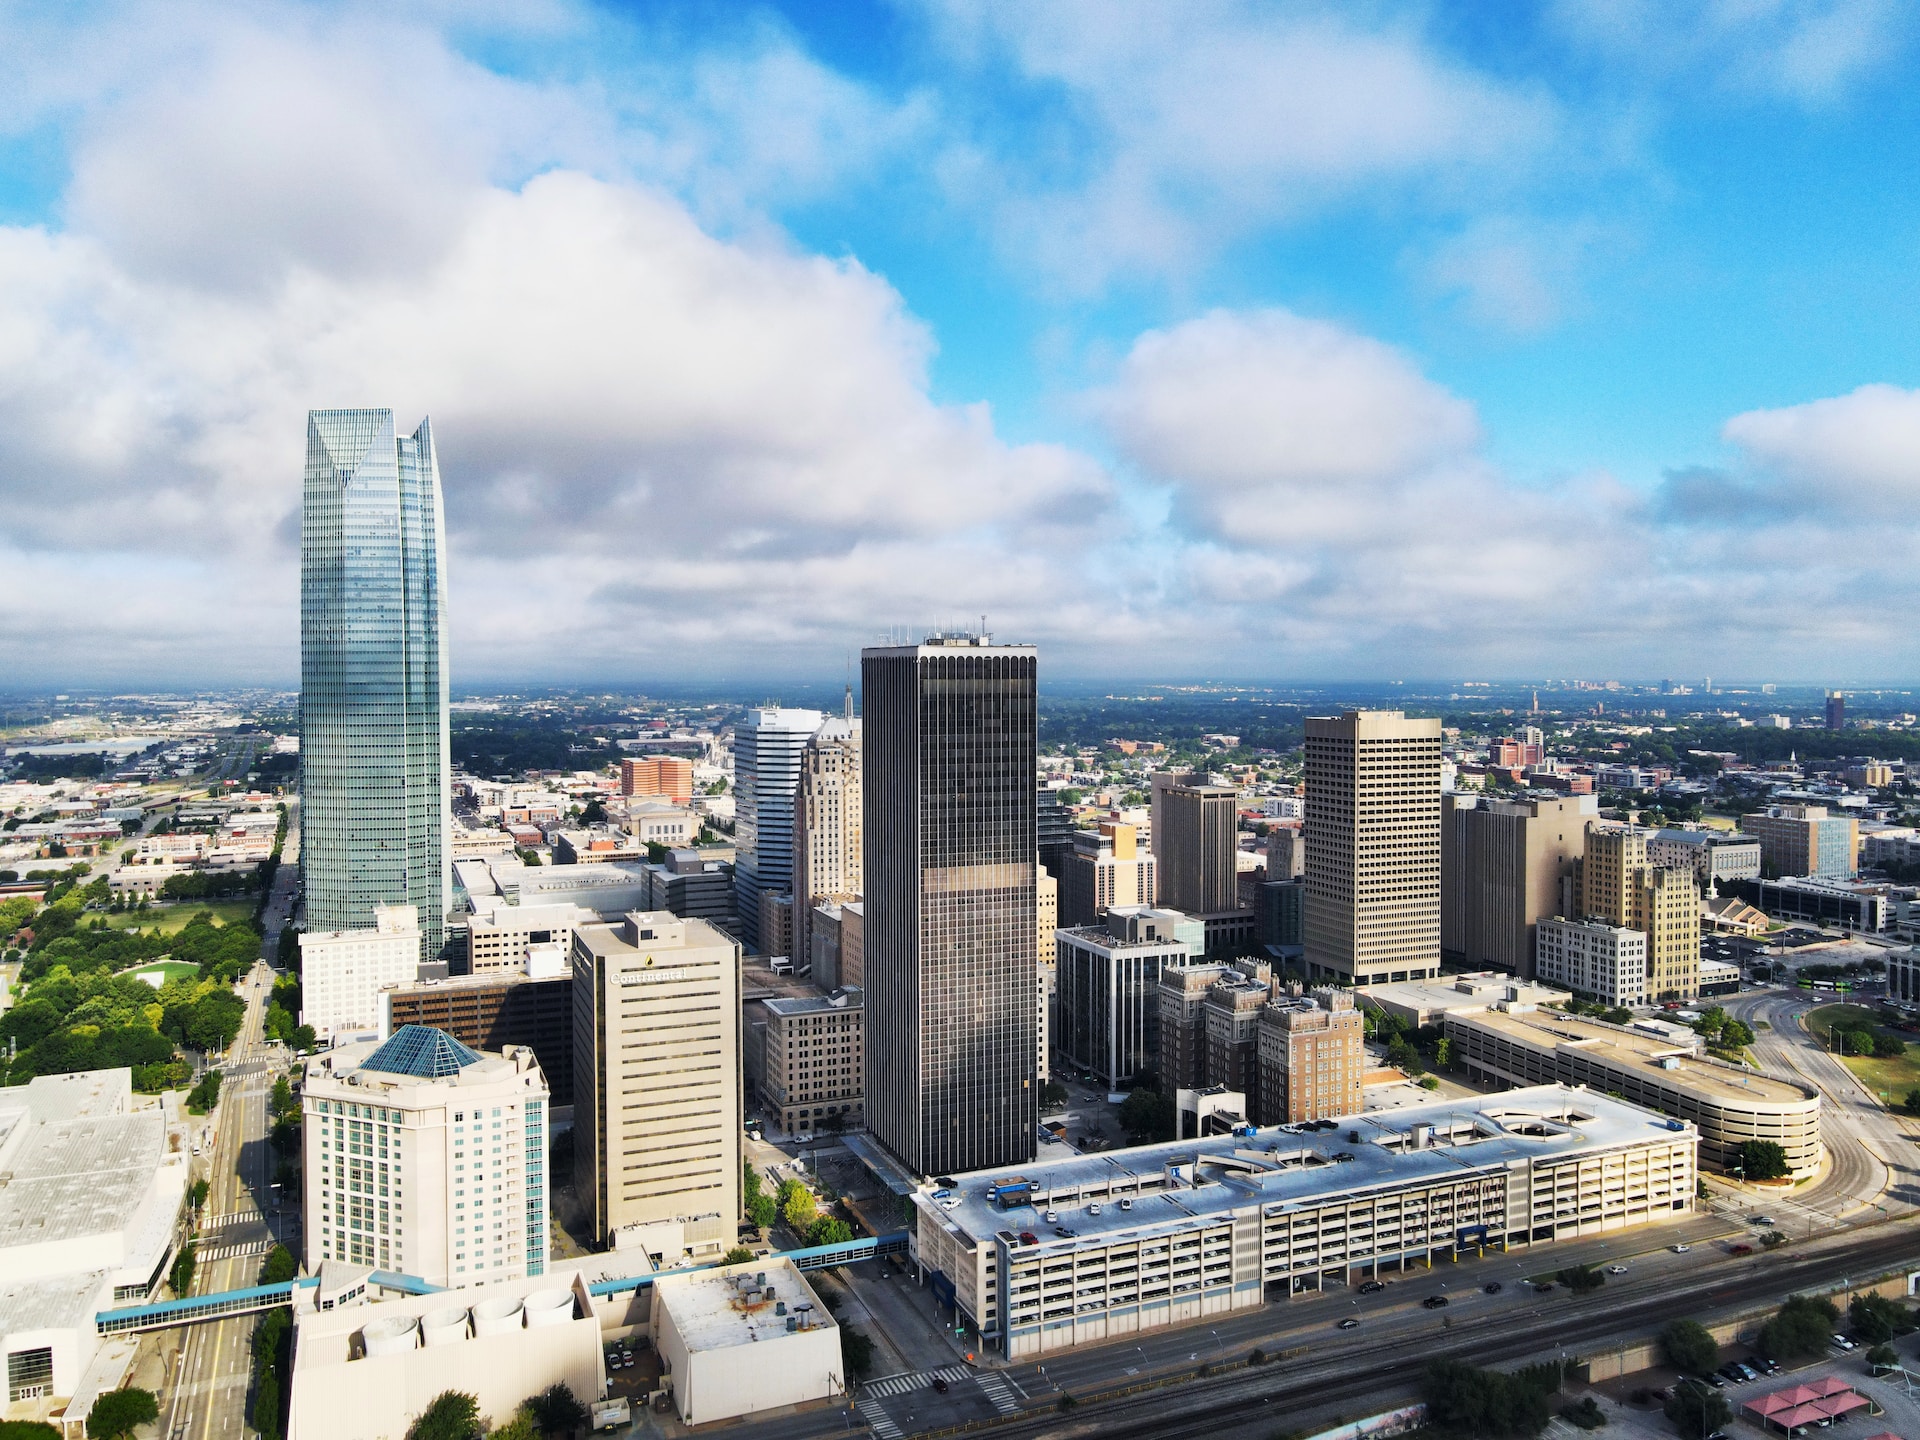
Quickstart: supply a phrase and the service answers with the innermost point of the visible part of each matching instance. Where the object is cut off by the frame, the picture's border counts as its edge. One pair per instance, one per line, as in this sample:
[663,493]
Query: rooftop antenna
[849,685]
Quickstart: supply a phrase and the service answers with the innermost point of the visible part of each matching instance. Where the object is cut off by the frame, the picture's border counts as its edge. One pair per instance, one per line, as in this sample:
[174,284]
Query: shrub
[1581,1279]
[557,1411]
[451,1415]
[1587,1414]
[1689,1347]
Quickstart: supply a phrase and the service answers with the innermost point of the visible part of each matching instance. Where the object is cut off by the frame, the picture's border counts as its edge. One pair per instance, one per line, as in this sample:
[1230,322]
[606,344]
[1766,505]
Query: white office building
[342,972]
[1593,959]
[428,1158]
[768,747]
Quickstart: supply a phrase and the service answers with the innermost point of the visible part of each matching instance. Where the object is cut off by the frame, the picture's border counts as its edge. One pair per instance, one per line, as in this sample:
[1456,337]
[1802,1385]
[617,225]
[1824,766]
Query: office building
[1158,783]
[822,959]
[1279,915]
[1503,865]
[342,972]
[1594,960]
[815,1061]
[767,749]
[1621,885]
[427,1157]
[91,1216]
[1373,847]
[693,885]
[776,924]
[656,1083]
[1903,980]
[853,943]
[1109,991]
[1804,840]
[1843,905]
[1107,868]
[606,890]
[499,934]
[668,776]
[1286,853]
[1230,1022]
[1868,774]
[826,830]
[1714,856]
[1194,848]
[1727,1104]
[1312,1057]
[1053,826]
[951,913]
[1190,1230]
[1182,1058]
[1429,1002]
[374,801]
[1046,897]
[1836,710]
[530,1008]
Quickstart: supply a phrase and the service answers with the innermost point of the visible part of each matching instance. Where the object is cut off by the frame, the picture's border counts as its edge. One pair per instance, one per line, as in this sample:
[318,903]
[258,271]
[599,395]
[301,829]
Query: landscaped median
[1860,1039]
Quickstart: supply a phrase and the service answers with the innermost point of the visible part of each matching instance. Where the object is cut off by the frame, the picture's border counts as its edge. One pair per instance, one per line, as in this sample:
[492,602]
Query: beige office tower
[426,1157]
[1373,847]
[1312,1057]
[1505,865]
[826,826]
[656,1083]
[1107,868]
[1047,906]
[1194,850]
[1621,886]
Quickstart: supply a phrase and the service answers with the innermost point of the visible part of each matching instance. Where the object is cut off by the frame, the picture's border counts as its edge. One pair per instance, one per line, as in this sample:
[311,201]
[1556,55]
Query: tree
[181,1276]
[738,1255]
[1763,1160]
[1688,1346]
[1883,1357]
[450,1415]
[1443,1052]
[1464,1400]
[27,1430]
[1803,1327]
[1581,1278]
[856,1351]
[1876,1319]
[279,1266]
[829,1230]
[1695,1410]
[1147,1115]
[556,1411]
[116,1414]
[799,1207]
[1889,1047]
[1053,1095]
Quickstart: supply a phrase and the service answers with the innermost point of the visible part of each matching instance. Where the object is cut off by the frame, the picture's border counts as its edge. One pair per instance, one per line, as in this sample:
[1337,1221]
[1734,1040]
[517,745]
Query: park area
[172,919]
[1890,1076]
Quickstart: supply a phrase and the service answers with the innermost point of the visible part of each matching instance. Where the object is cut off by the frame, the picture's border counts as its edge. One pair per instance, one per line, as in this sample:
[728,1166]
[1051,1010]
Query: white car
[1616,1269]
[1679,1249]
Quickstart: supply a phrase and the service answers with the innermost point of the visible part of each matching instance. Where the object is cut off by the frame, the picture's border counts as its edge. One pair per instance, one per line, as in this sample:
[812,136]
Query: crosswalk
[227,1252]
[238,1217]
[875,1415]
[913,1380]
[999,1391]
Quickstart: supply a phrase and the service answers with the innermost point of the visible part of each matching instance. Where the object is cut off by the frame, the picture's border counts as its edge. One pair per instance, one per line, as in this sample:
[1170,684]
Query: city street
[208,1399]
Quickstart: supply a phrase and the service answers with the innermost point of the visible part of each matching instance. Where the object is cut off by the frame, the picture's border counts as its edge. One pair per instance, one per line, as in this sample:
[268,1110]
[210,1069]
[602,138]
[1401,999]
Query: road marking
[877,1419]
[997,1392]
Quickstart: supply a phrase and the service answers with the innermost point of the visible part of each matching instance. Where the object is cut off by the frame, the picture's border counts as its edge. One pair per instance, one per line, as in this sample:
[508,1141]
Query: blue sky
[1274,341]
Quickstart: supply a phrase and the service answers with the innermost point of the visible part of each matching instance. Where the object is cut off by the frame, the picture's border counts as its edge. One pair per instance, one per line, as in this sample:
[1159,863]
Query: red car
[1741,1250]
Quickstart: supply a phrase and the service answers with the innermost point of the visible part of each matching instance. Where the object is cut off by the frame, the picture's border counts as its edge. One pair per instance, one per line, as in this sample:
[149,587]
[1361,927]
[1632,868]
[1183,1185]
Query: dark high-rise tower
[948,770]
[1836,710]
[374,786]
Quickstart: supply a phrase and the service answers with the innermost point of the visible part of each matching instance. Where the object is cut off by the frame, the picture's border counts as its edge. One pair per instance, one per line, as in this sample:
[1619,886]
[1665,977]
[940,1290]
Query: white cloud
[1858,449]
[1808,51]
[1202,123]
[1512,273]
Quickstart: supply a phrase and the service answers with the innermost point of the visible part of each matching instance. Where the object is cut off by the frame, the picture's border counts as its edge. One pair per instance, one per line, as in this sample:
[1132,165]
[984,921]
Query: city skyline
[1272,343]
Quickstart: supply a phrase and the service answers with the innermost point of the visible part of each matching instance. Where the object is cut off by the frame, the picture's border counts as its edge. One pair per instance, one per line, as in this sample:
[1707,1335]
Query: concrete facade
[1503,865]
[745,1338]
[1312,1057]
[1594,960]
[815,1061]
[342,972]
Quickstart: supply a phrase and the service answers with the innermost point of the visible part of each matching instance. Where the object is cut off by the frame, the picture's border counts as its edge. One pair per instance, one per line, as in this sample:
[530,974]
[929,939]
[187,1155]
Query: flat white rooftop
[745,1304]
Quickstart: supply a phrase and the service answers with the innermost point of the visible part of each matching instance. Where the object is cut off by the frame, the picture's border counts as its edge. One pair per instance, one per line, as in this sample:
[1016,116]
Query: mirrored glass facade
[949,818]
[373,683]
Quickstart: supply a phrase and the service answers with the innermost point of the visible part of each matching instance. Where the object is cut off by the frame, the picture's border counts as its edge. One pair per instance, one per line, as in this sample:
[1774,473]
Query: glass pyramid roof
[423,1051]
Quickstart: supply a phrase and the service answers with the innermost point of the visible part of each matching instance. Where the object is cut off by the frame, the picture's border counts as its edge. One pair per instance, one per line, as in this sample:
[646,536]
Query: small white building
[740,1339]
[1593,959]
[342,972]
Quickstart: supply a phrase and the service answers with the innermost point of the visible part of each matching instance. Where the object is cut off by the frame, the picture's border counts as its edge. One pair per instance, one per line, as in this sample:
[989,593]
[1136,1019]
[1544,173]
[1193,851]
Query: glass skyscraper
[373,682]
[768,746]
[951,922]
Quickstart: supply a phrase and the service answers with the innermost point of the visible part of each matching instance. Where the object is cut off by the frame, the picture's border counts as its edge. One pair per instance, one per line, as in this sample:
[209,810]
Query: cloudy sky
[1261,341]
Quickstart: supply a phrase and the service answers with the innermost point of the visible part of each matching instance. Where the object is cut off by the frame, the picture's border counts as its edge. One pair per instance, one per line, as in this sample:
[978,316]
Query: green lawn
[172,919]
[1889,1079]
[169,970]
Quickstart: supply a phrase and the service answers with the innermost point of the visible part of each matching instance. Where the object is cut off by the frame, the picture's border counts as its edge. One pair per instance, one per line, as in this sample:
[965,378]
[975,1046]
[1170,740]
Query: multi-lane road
[208,1400]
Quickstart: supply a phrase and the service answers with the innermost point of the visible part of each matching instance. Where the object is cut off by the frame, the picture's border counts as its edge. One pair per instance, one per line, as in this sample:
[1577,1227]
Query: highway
[1873,1160]
[208,1400]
